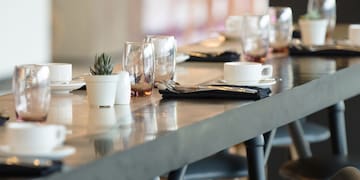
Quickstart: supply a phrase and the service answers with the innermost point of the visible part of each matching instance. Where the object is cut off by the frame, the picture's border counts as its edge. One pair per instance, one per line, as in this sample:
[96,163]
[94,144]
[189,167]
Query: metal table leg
[177,174]
[255,158]
[338,129]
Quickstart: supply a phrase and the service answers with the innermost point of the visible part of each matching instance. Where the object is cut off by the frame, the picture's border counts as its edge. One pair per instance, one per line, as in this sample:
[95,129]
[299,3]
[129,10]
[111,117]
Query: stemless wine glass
[138,60]
[254,37]
[281,27]
[165,52]
[326,9]
[31,92]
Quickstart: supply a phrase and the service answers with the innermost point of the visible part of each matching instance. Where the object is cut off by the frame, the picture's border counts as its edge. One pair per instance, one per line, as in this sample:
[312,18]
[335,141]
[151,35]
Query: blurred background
[40,31]
[74,31]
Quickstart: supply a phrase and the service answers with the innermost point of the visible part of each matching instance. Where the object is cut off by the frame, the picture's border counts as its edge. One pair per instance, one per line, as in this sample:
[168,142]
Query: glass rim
[160,36]
[30,65]
[279,7]
[248,15]
[138,43]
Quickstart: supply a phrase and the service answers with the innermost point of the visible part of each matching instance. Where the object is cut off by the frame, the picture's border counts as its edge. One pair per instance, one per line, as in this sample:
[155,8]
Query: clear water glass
[281,27]
[254,37]
[138,60]
[165,53]
[31,89]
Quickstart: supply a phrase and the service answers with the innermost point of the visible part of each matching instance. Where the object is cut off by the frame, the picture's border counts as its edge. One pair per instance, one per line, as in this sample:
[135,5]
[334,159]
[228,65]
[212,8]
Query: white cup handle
[60,135]
[267,71]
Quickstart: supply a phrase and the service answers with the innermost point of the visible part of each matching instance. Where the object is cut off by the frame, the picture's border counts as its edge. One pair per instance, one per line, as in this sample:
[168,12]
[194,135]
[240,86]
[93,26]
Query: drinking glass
[281,27]
[31,92]
[327,10]
[138,60]
[165,52]
[254,37]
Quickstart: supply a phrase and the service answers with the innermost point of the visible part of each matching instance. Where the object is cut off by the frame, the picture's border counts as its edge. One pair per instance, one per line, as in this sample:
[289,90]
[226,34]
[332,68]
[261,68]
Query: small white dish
[181,57]
[57,154]
[261,83]
[66,87]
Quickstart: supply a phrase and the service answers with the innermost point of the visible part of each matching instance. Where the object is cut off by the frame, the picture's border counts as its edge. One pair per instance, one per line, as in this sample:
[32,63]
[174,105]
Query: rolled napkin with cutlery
[337,49]
[226,56]
[171,90]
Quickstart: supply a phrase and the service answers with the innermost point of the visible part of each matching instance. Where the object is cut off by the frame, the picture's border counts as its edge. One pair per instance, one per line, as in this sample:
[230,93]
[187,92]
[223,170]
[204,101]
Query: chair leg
[255,158]
[297,134]
[338,129]
[293,152]
[268,138]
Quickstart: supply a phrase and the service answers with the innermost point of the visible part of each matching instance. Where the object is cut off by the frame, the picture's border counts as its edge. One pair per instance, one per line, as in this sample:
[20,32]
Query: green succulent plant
[102,65]
[311,15]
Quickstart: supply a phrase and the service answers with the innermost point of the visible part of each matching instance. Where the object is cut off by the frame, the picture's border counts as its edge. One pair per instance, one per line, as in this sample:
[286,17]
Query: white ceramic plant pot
[313,32]
[101,89]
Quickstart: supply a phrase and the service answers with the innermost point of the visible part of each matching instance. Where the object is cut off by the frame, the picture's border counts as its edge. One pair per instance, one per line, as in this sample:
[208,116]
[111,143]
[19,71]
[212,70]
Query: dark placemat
[3,119]
[226,56]
[218,94]
[295,51]
[29,171]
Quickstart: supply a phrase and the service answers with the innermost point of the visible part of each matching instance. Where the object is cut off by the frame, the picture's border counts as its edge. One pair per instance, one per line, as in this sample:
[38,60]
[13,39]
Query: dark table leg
[177,174]
[255,158]
[338,129]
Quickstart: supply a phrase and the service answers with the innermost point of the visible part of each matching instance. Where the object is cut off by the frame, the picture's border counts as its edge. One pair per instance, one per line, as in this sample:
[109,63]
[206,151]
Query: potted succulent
[313,28]
[101,84]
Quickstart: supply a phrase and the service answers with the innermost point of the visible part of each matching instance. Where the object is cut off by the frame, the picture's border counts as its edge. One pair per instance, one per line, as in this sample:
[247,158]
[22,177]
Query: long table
[153,136]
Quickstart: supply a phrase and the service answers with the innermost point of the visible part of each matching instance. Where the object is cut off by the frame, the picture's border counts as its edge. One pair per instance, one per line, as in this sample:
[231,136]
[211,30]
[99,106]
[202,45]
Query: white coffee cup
[354,34]
[34,138]
[313,32]
[246,72]
[60,72]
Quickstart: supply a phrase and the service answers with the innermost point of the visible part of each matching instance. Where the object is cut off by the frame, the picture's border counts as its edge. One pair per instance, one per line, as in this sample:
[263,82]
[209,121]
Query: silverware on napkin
[338,45]
[177,88]
[204,54]
[210,87]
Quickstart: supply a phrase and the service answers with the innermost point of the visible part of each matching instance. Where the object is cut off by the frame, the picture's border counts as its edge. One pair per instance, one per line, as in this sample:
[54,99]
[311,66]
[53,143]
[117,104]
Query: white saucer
[261,83]
[66,87]
[181,57]
[56,154]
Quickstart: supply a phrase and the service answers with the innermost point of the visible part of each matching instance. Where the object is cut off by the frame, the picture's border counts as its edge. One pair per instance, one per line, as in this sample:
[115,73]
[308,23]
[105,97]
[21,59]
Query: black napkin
[226,56]
[296,34]
[3,119]
[262,93]
[28,171]
[295,51]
